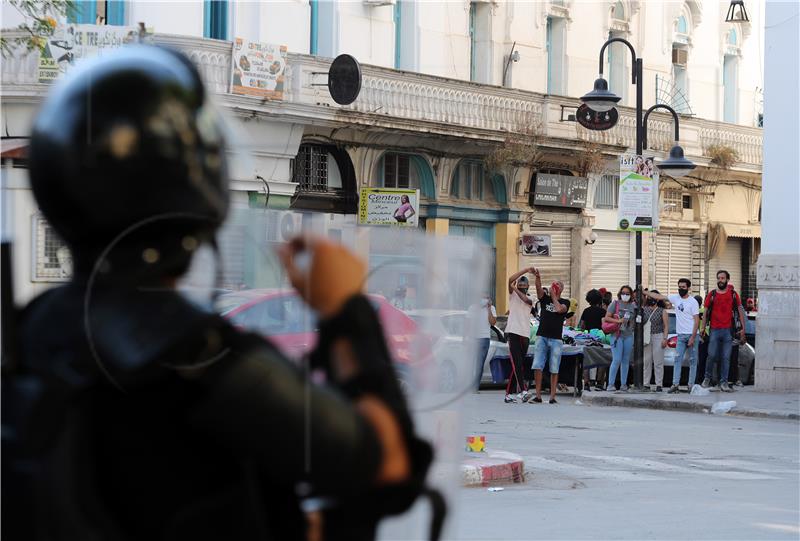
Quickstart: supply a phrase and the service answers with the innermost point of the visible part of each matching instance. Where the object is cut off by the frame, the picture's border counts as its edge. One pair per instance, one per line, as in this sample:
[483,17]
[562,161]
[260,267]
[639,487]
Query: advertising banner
[258,69]
[638,193]
[388,206]
[73,42]
[536,245]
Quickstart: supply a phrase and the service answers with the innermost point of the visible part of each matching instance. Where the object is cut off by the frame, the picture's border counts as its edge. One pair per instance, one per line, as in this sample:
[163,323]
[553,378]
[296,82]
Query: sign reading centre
[638,194]
[388,206]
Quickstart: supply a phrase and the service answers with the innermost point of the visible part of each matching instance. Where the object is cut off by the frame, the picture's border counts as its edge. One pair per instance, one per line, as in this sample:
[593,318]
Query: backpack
[736,324]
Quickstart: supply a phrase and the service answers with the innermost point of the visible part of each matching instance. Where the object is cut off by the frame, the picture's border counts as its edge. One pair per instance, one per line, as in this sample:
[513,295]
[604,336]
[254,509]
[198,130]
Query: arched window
[399,170]
[682,27]
[619,11]
[468,180]
[326,179]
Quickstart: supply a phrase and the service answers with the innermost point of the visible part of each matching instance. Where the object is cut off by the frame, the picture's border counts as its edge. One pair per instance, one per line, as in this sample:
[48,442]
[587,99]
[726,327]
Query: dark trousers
[518,348]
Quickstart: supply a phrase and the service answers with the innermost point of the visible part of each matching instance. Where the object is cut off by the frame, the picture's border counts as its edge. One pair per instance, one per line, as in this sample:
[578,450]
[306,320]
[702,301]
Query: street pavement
[623,473]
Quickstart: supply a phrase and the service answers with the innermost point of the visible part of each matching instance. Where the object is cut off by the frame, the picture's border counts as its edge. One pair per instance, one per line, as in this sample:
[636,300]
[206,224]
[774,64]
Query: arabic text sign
[388,206]
[638,189]
[258,69]
[73,42]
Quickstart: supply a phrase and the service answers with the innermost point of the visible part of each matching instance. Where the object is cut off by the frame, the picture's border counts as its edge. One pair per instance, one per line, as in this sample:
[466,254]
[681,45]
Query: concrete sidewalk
[749,403]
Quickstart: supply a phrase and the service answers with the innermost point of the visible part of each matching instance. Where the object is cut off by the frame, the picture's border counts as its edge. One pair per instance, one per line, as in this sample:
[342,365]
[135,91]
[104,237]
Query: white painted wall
[781,189]
[183,17]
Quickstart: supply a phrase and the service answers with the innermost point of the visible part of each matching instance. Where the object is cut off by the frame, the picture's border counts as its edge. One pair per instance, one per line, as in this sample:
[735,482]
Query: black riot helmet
[127,162]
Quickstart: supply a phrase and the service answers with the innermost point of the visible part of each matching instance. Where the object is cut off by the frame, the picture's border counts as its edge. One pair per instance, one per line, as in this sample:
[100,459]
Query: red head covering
[603,291]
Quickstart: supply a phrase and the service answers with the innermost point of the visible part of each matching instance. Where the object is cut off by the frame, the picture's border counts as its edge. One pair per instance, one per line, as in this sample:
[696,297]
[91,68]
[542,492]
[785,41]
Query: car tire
[447,377]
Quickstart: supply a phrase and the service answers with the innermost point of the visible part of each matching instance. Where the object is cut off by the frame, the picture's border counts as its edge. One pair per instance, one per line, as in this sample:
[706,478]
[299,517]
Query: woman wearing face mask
[621,312]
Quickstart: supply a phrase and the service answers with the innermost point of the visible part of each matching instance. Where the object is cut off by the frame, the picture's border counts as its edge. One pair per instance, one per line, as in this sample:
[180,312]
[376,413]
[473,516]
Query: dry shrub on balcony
[522,147]
[590,159]
[721,155]
[40,18]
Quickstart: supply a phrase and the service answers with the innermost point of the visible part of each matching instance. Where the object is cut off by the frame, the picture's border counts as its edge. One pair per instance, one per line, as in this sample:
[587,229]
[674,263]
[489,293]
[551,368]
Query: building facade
[472,103]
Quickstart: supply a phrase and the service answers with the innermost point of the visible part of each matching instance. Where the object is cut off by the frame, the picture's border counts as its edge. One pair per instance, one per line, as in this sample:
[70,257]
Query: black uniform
[130,413]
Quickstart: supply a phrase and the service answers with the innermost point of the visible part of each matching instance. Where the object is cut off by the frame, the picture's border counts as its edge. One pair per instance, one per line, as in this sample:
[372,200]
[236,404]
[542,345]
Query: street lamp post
[601,99]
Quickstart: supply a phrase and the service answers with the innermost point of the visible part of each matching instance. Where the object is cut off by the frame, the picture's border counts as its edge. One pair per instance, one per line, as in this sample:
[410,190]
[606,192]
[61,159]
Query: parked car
[283,317]
[745,356]
[446,330]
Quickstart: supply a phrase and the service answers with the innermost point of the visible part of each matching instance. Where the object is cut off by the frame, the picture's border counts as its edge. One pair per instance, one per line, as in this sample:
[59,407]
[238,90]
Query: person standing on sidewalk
[518,332]
[722,306]
[481,317]
[621,312]
[548,337]
[687,323]
[592,318]
[654,355]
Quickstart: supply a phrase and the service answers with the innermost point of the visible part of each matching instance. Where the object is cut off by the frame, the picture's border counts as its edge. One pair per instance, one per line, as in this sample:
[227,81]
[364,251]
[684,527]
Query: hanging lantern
[733,16]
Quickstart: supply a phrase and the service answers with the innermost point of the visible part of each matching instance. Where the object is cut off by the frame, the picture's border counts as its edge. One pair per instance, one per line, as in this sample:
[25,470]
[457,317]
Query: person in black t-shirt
[548,341]
[592,318]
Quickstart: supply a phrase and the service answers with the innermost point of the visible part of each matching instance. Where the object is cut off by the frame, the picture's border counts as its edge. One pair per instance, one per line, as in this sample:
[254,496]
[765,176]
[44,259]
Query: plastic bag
[723,407]
[697,390]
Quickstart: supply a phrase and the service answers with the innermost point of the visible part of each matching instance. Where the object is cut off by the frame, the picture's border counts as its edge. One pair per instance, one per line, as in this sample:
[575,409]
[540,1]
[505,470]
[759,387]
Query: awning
[14,148]
[749,231]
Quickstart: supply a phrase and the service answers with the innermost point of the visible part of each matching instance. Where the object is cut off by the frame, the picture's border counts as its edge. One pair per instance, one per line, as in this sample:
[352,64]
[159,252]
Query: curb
[679,405]
[492,467]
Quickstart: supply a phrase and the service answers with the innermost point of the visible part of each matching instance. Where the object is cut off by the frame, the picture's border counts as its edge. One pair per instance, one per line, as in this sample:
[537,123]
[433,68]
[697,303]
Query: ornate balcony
[417,102]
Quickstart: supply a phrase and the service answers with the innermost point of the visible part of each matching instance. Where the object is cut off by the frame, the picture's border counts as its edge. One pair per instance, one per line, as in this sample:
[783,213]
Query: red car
[283,317]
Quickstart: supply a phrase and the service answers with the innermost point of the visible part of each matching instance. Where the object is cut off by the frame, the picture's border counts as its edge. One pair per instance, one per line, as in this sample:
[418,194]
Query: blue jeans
[548,349]
[481,349]
[720,342]
[621,350]
[680,351]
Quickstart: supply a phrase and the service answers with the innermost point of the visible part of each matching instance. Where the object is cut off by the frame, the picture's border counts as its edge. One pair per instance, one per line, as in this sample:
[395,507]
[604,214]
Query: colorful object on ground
[476,444]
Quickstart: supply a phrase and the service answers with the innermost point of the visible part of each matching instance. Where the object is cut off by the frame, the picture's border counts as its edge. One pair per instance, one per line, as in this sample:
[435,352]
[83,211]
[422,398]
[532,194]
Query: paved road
[619,473]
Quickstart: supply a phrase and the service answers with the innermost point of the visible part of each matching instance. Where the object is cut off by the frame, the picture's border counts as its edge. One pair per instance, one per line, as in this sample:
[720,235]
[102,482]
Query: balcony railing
[436,104]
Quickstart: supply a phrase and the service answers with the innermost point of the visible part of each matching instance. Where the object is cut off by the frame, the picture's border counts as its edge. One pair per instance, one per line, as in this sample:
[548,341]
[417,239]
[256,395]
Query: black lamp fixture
[676,165]
[733,16]
[600,99]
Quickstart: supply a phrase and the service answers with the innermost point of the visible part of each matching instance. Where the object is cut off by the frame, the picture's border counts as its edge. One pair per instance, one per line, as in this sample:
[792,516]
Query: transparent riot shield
[425,290]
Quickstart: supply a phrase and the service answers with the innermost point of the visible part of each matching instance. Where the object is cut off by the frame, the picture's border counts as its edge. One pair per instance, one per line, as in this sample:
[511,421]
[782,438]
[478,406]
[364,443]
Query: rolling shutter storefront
[673,262]
[612,260]
[556,266]
[731,261]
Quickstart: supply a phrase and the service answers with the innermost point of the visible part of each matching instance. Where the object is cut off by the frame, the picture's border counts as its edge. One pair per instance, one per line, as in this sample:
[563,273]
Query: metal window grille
[396,171]
[311,168]
[687,201]
[606,195]
[52,258]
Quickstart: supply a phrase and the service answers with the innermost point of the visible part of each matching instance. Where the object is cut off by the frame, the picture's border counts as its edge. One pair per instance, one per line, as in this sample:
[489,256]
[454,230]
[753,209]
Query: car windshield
[226,303]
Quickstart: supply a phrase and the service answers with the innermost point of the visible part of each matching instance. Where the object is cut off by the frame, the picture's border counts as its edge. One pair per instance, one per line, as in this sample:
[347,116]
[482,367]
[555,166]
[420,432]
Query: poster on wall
[71,43]
[638,190]
[536,245]
[258,69]
[388,206]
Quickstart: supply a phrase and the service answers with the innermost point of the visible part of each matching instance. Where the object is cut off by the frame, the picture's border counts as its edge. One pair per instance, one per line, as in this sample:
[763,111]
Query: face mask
[626,298]
[722,285]
[683,292]
[523,289]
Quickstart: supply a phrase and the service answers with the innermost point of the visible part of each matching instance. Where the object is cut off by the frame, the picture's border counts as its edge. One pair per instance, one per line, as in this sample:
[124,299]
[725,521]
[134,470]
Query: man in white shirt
[481,316]
[518,332]
[687,322]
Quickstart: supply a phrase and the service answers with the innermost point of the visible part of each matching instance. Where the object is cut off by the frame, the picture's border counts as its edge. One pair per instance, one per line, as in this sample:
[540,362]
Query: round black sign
[344,79]
[624,224]
[593,120]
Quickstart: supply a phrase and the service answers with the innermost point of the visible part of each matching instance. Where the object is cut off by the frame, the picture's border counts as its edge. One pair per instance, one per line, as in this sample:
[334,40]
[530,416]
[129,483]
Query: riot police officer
[131,414]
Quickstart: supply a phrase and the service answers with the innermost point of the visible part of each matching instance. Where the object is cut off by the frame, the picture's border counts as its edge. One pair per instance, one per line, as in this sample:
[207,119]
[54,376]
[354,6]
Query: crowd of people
[707,326]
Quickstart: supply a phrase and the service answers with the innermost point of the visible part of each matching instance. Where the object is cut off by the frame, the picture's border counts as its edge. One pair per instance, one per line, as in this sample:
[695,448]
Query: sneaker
[738,383]
[673,390]
[599,388]
[659,389]
[553,401]
[725,387]
[611,389]
[526,396]
[587,388]
[706,383]
[623,389]
[536,400]
[509,399]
